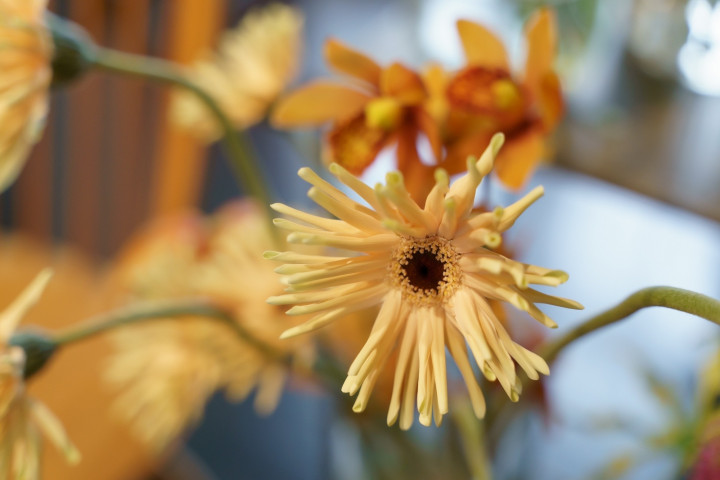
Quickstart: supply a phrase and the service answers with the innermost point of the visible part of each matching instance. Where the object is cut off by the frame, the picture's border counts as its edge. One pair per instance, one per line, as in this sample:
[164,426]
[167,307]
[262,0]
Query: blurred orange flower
[380,107]
[485,97]
[457,112]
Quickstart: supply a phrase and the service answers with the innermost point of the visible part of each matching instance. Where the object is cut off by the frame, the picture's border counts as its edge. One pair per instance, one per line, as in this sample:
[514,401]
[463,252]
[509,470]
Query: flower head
[25,75]
[486,96]
[433,271]
[254,63]
[23,419]
[167,369]
[380,106]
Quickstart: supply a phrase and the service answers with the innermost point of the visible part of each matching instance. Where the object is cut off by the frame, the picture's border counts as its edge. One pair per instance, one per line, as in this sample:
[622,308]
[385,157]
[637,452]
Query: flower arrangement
[393,293]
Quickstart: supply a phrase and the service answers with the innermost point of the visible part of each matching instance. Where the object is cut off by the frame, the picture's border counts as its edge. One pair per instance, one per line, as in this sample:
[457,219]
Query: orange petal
[354,145]
[457,154]
[402,83]
[351,62]
[317,103]
[419,178]
[519,156]
[541,38]
[550,101]
[482,47]
[429,126]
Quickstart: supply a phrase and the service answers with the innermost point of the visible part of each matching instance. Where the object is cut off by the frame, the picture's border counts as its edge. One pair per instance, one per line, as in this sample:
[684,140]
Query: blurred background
[633,199]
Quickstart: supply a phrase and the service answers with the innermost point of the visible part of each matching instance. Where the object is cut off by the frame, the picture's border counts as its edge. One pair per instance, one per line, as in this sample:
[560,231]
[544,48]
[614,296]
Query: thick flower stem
[140,313]
[168,73]
[669,297]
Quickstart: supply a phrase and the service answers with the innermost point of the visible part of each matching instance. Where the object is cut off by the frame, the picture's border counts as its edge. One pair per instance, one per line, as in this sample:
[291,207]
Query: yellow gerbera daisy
[432,269]
[25,75]
[167,369]
[22,419]
[254,63]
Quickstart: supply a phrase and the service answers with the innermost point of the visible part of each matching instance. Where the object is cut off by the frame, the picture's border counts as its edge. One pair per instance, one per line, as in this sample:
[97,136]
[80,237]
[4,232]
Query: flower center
[426,269]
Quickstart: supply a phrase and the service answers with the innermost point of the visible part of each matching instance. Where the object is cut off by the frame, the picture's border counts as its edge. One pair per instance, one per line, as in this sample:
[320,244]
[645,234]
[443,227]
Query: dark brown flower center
[424,270]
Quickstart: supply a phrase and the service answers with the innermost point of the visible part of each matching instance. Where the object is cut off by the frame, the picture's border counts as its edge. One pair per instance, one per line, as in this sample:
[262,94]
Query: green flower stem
[472,439]
[157,310]
[166,72]
[669,297]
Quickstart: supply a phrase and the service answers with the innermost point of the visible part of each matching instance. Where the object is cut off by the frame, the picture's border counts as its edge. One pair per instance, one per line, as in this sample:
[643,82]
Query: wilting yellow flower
[22,419]
[254,63]
[25,75]
[167,369]
[432,270]
[486,97]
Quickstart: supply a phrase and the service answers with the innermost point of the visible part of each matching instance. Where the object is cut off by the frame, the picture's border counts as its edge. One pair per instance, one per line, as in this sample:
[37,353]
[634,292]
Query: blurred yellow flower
[25,75]
[22,419]
[167,369]
[431,269]
[254,63]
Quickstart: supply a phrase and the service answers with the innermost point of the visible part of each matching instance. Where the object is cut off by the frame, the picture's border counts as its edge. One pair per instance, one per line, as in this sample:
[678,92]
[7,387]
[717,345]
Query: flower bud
[38,348]
[74,50]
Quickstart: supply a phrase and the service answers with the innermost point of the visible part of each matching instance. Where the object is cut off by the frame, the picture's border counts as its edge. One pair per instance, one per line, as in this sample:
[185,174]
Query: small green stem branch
[140,313]
[167,72]
[669,297]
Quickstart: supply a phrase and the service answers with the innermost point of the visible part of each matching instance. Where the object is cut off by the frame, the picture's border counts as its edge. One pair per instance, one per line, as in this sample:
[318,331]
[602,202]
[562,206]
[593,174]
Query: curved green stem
[669,297]
[167,72]
[158,310]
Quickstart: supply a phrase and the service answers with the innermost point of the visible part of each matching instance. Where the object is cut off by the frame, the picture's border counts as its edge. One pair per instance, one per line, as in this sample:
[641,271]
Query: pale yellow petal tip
[441,176]
[494,240]
[496,142]
[559,274]
[290,332]
[336,168]
[394,178]
[72,455]
[276,206]
[514,396]
[359,407]
[270,255]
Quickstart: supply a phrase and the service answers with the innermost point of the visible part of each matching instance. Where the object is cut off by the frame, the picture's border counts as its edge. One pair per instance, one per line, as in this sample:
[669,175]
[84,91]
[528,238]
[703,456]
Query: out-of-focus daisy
[433,271]
[167,369]
[25,75]
[22,419]
[377,107]
[254,63]
[486,97]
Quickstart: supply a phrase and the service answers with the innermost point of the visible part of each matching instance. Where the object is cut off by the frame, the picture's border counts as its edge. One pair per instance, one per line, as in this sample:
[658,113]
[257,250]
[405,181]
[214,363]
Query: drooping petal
[351,62]
[317,103]
[418,177]
[550,101]
[482,47]
[517,161]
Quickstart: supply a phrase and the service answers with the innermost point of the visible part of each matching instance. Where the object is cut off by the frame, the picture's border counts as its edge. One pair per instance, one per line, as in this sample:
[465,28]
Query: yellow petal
[402,83]
[541,35]
[346,60]
[482,47]
[316,103]
[12,315]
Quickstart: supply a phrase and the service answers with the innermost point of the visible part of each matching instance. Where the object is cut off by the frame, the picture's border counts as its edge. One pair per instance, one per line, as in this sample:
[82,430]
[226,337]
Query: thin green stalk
[669,297]
[167,72]
[139,313]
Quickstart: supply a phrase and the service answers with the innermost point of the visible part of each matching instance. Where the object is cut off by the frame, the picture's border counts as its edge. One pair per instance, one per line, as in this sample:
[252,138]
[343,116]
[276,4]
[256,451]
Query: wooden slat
[128,149]
[86,122]
[180,163]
